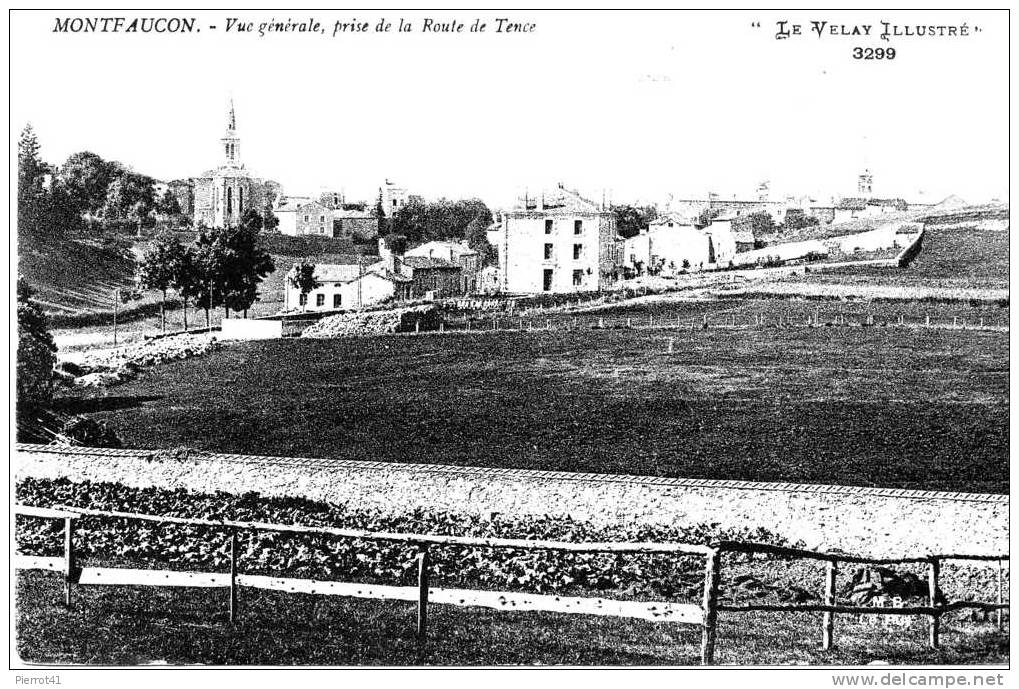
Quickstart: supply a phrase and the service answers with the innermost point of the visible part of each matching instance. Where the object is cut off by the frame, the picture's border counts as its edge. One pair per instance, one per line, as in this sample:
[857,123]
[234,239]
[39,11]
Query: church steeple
[231,142]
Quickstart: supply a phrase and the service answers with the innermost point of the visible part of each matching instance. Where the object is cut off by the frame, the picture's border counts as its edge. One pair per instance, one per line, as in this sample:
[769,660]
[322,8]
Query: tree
[380,213]
[302,277]
[185,278]
[130,196]
[35,353]
[86,178]
[477,239]
[269,220]
[759,222]
[796,219]
[630,220]
[159,268]
[443,219]
[229,264]
[167,204]
[252,220]
[396,243]
[30,166]
[209,260]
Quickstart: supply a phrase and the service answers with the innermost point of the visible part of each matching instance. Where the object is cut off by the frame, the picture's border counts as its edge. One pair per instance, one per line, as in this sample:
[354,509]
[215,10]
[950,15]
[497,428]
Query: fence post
[712,572]
[671,342]
[828,621]
[1000,613]
[233,575]
[422,628]
[932,588]
[68,559]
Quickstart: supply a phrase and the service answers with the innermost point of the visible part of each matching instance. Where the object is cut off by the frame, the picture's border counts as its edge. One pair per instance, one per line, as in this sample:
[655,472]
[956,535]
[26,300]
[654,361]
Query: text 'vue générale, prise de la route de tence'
[239,25]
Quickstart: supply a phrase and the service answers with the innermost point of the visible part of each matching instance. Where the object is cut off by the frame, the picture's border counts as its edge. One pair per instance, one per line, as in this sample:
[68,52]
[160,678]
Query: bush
[81,430]
[35,353]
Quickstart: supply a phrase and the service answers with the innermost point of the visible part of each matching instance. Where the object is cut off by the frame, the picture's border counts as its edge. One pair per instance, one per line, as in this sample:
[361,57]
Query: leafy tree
[86,178]
[229,264]
[210,258]
[444,219]
[167,204]
[302,277]
[159,267]
[477,239]
[759,222]
[252,220]
[35,353]
[185,278]
[269,220]
[630,220]
[796,219]
[129,196]
[396,243]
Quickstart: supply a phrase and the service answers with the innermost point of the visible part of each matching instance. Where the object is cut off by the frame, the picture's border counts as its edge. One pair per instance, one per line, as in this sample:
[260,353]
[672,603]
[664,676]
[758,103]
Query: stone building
[223,194]
[456,253]
[558,242]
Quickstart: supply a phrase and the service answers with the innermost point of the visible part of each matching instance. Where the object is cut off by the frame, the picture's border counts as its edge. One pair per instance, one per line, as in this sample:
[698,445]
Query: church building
[225,193]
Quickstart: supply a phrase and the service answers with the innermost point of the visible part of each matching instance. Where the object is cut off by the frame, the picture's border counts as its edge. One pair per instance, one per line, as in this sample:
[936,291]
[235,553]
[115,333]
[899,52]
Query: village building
[301,216]
[223,194]
[456,253]
[558,242]
[354,284]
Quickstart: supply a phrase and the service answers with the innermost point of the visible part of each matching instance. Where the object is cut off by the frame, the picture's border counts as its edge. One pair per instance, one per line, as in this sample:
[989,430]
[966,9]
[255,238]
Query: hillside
[73,277]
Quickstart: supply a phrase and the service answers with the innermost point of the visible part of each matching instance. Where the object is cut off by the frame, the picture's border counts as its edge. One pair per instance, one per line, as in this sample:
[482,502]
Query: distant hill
[73,277]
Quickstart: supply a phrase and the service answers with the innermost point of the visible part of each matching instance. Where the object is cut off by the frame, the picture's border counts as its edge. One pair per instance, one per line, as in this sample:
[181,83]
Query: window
[548,227]
[578,226]
[322,218]
[547,280]
[307,218]
[578,249]
[320,300]
[578,278]
[337,300]
[304,300]
[548,252]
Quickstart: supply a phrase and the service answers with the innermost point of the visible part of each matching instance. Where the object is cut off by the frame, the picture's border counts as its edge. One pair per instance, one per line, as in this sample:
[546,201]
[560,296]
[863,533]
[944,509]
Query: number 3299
[873,53]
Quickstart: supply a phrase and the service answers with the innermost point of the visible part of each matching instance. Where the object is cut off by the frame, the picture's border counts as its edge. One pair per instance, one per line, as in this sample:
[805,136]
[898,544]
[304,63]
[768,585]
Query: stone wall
[855,520]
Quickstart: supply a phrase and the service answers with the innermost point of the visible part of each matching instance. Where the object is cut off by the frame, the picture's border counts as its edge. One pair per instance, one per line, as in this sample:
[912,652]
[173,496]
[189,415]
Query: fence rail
[705,614]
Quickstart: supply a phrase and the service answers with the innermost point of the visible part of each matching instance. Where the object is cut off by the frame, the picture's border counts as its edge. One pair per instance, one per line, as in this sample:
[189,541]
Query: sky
[640,105]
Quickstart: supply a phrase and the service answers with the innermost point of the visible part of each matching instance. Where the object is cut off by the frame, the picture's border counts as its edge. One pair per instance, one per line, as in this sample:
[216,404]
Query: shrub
[35,353]
[81,430]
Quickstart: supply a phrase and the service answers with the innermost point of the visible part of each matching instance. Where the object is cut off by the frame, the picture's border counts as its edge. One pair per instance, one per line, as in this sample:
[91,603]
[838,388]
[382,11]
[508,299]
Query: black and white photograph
[503,339]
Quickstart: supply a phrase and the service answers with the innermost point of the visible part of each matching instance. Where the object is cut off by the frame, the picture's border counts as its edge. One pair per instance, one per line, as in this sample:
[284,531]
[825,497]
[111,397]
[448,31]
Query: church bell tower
[231,142]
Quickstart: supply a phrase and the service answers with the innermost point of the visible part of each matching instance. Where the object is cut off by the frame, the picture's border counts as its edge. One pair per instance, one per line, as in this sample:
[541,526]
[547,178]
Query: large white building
[558,242]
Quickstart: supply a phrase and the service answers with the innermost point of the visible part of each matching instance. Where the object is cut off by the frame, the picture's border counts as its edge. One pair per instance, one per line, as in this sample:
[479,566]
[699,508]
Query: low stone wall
[855,520]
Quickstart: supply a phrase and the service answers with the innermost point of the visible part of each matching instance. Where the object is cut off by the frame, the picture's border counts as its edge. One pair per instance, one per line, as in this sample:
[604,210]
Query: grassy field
[959,257]
[909,408]
[71,276]
[128,625]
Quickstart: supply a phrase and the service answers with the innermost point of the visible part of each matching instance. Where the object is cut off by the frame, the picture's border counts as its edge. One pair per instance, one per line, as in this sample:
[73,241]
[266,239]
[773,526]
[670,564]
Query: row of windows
[549,275]
[578,251]
[578,226]
[320,300]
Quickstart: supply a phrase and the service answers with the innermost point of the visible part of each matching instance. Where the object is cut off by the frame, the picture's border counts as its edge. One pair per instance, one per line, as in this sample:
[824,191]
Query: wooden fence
[705,615]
